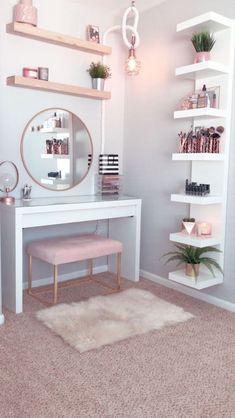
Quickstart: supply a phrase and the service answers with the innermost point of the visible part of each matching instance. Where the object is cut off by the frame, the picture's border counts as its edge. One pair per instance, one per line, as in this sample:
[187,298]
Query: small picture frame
[93,33]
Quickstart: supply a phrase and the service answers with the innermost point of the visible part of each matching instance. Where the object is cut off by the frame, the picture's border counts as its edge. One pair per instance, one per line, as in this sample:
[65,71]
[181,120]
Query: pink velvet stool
[64,250]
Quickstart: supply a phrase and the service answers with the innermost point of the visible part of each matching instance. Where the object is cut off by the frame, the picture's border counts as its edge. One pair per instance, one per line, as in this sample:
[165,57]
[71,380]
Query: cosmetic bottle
[203,98]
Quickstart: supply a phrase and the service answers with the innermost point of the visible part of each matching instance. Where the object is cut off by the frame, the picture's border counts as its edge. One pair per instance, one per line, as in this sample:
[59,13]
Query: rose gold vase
[190,271]
[202,56]
[24,12]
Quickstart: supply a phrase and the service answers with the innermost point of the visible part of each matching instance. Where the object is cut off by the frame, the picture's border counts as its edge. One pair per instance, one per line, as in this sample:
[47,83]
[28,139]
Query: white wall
[18,106]
[150,135]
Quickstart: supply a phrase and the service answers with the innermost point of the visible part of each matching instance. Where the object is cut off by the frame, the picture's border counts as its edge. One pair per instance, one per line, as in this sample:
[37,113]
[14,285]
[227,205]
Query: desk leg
[12,246]
[127,230]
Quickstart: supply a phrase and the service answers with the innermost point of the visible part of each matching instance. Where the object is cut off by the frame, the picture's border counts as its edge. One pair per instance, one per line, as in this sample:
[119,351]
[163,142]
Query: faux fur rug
[104,320]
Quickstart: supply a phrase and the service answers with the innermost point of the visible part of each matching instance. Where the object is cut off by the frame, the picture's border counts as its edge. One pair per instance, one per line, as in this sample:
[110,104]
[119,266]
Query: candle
[203,228]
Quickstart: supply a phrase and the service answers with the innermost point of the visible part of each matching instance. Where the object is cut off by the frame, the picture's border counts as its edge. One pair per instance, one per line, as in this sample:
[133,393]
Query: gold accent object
[71,282]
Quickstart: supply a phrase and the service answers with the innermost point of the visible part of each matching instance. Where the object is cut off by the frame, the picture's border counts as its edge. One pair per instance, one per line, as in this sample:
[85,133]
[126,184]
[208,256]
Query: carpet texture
[104,320]
[181,371]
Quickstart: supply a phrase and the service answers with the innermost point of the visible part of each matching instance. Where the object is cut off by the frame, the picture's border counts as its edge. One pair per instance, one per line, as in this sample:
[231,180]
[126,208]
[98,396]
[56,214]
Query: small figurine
[26,192]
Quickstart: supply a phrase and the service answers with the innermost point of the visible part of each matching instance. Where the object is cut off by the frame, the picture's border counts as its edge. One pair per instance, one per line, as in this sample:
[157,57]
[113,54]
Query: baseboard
[2,319]
[229,306]
[67,276]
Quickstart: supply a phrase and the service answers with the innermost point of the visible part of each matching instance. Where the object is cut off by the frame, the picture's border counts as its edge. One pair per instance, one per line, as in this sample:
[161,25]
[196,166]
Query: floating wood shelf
[31,83]
[29,31]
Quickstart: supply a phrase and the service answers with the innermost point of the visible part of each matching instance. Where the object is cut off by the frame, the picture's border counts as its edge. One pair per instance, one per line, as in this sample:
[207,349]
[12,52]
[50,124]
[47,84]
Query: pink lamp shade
[24,12]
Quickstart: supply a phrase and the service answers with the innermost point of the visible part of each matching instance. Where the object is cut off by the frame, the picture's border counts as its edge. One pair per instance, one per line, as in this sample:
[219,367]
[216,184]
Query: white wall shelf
[197,157]
[210,21]
[55,156]
[53,131]
[211,208]
[202,70]
[196,200]
[203,281]
[196,241]
[204,112]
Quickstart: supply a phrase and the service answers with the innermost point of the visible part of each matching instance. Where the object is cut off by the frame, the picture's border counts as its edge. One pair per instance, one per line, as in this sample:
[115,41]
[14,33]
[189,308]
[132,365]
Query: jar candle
[203,228]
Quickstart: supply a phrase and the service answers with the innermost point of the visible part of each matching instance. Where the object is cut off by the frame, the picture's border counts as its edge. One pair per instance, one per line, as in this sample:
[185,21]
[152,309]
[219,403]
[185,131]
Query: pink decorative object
[203,228]
[30,72]
[189,227]
[24,12]
[202,56]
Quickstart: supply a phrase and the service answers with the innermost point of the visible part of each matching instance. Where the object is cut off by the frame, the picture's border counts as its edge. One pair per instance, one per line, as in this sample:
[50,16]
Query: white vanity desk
[123,212]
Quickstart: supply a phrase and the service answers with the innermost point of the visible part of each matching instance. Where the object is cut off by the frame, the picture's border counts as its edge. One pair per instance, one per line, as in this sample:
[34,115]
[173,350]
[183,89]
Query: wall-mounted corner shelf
[194,240]
[202,70]
[29,31]
[203,281]
[204,112]
[209,21]
[205,156]
[31,83]
[196,200]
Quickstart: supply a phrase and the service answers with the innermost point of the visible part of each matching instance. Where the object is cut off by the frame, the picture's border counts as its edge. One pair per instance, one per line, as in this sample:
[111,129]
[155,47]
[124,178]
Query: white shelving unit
[212,208]
[55,156]
[196,200]
[54,131]
[196,241]
[205,112]
[197,157]
[202,69]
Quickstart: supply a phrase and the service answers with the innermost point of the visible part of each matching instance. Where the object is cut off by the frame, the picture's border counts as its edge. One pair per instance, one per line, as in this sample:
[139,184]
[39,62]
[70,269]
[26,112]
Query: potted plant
[99,73]
[203,43]
[189,225]
[193,257]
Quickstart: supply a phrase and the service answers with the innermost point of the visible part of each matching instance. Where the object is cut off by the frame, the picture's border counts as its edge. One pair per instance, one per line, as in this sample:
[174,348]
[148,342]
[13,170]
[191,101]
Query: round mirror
[56,149]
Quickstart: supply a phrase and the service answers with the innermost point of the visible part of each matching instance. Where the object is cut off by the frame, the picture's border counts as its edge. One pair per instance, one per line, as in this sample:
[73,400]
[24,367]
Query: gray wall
[150,135]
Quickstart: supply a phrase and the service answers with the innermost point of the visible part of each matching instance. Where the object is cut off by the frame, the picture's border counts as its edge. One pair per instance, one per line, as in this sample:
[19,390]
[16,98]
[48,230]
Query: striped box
[108,164]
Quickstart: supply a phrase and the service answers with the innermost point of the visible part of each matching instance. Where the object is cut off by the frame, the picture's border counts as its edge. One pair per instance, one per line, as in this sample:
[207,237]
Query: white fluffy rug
[106,319]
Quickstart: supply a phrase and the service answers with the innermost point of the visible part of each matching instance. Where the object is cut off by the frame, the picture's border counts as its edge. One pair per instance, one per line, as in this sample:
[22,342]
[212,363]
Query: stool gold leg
[90,267]
[55,283]
[29,274]
[119,258]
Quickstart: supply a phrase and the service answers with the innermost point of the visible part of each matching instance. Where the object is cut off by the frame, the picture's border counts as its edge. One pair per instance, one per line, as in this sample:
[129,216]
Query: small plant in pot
[99,73]
[193,258]
[203,43]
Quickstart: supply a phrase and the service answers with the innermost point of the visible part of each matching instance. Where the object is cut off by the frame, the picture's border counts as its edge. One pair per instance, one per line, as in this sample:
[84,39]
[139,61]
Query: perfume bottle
[203,98]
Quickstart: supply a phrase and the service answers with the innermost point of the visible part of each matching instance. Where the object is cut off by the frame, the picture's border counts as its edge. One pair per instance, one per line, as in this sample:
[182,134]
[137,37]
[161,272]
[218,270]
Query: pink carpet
[182,371]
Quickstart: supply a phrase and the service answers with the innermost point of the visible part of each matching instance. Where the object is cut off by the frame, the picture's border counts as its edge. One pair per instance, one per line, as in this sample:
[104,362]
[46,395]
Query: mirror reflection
[56,149]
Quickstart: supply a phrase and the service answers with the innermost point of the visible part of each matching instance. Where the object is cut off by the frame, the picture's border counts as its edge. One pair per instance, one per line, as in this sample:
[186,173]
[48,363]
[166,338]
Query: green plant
[99,70]
[194,255]
[188,219]
[203,41]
